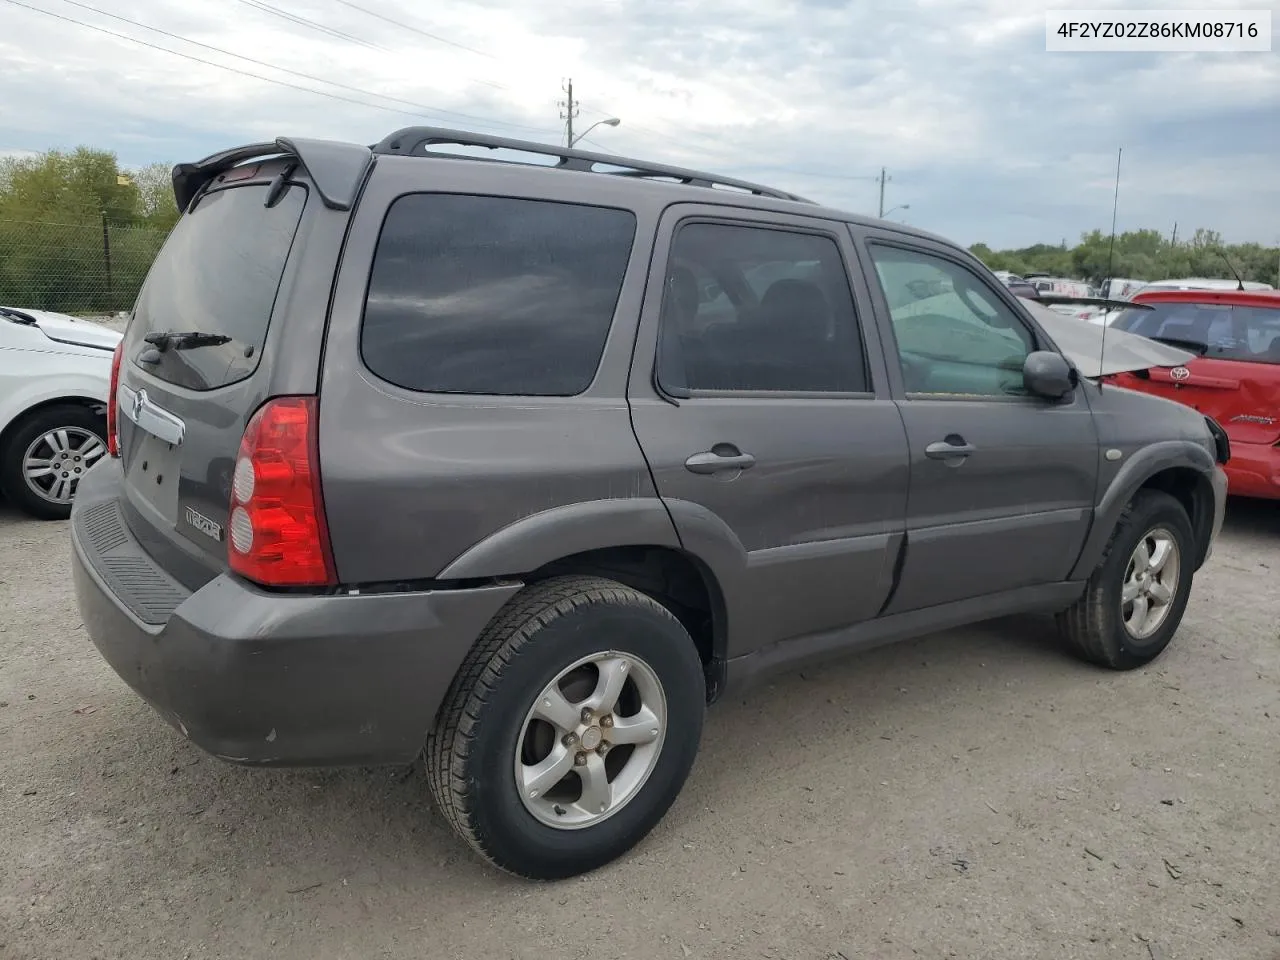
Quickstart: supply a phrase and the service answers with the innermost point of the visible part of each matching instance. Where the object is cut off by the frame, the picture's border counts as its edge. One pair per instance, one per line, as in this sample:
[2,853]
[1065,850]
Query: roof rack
[412,141]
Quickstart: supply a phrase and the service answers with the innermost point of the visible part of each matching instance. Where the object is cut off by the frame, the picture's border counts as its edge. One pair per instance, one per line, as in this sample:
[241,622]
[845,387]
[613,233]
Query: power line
[246,73]
[303,21]
[418,30]
[501,86]
[305,76]
[433,112]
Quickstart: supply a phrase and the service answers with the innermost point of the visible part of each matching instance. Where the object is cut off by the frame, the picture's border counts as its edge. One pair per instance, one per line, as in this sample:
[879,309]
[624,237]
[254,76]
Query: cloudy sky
[984,134]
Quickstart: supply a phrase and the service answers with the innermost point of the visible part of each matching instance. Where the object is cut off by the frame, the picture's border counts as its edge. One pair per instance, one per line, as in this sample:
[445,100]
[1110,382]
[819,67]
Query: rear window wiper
[185,340]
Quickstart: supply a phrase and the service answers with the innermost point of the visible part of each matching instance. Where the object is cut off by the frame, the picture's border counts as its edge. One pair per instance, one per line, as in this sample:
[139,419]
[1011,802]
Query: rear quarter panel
[412,480]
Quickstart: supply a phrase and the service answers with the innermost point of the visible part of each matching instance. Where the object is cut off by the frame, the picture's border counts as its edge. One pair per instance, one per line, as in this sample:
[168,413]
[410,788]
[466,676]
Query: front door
[1002,483]
[766,419]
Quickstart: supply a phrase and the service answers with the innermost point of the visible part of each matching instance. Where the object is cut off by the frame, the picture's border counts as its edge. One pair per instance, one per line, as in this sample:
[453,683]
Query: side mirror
[1047,374]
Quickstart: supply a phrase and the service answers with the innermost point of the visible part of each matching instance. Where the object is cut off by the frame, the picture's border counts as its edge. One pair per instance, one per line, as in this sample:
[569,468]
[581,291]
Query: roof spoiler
[1049,299]
[337,170]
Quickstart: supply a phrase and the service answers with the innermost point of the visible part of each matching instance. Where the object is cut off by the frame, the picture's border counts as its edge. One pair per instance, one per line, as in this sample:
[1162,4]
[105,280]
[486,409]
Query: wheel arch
[15,423]
[632,541]
[1180,469]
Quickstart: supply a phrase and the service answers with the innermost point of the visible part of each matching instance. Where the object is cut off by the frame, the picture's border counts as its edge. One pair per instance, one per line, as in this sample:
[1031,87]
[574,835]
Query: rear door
[1002,483]
[767,418]
[198,360]
[1236,378]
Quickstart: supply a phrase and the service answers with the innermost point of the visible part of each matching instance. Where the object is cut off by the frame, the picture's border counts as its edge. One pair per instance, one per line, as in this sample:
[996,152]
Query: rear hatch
[1234,376]
[196,362]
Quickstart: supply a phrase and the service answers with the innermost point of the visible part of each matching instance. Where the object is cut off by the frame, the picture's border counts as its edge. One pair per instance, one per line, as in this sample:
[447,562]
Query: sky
[985,135]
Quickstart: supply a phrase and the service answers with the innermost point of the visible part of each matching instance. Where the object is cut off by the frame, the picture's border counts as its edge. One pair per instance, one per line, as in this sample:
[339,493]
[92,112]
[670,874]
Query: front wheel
[47,454]
[569,729]
[1138,593]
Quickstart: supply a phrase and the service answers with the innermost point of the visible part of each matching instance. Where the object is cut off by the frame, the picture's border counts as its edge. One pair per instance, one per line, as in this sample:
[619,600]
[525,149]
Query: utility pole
[1174,241]
[883,178]
[569,110]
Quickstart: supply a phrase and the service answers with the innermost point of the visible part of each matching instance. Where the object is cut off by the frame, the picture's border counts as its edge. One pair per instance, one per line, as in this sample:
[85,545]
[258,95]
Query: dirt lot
[975,795]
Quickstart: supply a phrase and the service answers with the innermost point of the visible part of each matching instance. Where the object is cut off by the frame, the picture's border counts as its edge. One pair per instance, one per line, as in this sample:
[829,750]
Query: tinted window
[1219,330]
[754,309]
[218,274]
[955,335]
[492,295]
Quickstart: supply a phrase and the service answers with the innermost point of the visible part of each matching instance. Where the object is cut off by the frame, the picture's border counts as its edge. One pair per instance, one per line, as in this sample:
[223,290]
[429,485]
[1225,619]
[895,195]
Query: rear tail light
[278,535]
[113,425]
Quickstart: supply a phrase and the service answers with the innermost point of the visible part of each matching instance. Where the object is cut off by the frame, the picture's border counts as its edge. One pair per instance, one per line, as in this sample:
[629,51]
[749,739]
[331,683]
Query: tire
[84,431]
[1095,626]
[471,756]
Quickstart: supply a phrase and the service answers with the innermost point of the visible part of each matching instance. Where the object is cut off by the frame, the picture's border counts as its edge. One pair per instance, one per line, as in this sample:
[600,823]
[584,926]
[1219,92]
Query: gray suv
[517,466]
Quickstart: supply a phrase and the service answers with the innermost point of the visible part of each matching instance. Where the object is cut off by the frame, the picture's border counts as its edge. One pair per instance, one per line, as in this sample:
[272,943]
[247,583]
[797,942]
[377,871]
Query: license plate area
[153,475]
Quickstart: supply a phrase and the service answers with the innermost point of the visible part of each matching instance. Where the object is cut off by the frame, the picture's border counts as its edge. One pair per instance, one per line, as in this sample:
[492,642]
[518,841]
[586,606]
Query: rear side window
[756,309]
[1222,331]
[217,278]
[494,295]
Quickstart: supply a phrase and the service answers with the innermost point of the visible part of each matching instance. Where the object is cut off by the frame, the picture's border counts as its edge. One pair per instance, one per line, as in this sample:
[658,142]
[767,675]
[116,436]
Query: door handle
[945,450]
[712,462]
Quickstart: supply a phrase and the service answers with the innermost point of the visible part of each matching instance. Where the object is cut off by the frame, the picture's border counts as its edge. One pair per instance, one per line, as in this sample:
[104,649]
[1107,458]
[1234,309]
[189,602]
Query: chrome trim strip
[157,421]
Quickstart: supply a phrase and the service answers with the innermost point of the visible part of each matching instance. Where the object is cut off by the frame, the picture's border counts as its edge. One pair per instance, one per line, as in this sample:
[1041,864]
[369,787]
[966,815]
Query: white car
[55,375]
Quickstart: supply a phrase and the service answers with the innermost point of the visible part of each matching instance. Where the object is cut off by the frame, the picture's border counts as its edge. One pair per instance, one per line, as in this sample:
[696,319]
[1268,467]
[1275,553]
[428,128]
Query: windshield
[215,282]
[1221,331]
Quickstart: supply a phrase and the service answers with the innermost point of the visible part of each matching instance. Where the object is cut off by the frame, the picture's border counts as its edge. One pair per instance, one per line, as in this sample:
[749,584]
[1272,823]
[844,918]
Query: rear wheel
[1138,593]
[569,729]
[46,456]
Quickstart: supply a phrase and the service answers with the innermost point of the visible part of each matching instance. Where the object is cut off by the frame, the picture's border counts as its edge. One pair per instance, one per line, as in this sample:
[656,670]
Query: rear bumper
[1254,470]
[263,678]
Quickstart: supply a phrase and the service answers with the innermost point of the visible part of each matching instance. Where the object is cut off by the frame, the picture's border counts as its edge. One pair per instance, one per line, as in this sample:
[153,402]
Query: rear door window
[494,295]
[779,317]
[216,278]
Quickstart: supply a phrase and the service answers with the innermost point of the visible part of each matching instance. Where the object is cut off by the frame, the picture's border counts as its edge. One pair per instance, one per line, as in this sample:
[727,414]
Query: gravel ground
[975,794]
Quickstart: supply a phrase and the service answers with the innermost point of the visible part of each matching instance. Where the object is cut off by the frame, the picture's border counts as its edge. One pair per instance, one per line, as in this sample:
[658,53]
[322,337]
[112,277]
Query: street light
[904,206]
[611,122]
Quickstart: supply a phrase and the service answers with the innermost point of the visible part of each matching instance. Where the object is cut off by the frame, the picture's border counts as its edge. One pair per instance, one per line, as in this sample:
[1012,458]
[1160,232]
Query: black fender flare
[534,541]
[540,538]
[1144,464]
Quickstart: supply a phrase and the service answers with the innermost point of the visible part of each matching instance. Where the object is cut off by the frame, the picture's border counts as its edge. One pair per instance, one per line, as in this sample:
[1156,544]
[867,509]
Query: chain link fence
[77,268]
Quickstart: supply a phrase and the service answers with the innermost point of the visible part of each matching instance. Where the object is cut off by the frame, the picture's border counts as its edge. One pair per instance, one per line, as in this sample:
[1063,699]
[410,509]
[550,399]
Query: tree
[1141,254]
[156,205]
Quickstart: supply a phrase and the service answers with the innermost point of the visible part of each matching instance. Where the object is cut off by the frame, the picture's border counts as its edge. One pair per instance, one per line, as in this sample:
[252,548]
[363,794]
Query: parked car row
[1032,288]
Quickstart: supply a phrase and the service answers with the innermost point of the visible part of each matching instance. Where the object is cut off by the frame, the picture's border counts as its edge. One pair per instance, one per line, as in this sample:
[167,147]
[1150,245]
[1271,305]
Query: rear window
[494,295]
[1219,330]
[217,276]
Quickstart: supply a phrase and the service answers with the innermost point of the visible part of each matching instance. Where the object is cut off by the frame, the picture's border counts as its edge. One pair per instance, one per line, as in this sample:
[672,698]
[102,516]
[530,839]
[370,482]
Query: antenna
[1111,250]
[1230,266]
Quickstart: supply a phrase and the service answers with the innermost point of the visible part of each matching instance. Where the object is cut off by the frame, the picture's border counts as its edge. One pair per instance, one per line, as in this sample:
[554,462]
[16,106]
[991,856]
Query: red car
[1235,377]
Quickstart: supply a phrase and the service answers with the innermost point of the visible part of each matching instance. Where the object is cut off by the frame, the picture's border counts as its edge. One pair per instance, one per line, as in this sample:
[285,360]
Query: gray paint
[266,678]
[844,533]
